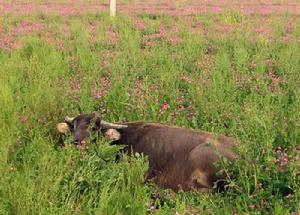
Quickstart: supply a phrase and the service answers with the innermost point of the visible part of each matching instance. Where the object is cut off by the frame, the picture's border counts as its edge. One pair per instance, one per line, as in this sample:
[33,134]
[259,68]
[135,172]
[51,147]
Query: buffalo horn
[108,125]
[69,119]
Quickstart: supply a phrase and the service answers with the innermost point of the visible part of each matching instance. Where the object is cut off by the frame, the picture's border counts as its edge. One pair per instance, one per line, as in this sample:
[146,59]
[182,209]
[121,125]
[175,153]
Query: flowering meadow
[227,67]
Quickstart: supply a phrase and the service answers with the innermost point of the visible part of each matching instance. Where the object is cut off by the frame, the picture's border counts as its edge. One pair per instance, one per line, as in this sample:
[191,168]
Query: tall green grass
[222,94]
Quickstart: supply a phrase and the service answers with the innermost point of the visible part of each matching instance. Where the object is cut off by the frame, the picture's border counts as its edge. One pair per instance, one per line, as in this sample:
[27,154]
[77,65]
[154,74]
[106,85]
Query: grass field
[228,72]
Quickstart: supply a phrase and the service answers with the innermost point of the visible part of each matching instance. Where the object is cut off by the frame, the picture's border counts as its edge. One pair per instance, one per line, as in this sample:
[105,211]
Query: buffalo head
[84,125]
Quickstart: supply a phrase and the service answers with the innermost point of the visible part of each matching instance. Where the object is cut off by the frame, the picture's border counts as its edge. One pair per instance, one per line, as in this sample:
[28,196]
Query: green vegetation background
[239,83]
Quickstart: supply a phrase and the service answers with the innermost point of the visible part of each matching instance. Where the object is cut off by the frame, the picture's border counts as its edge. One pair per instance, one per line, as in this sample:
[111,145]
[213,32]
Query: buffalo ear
[63,128]
[112,134]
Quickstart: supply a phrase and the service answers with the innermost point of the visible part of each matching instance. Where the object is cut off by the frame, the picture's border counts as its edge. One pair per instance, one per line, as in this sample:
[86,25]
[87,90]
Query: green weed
[235,85]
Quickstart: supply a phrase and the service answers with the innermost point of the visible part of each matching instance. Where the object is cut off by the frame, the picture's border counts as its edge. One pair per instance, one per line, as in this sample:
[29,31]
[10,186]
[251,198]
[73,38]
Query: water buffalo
[179,158]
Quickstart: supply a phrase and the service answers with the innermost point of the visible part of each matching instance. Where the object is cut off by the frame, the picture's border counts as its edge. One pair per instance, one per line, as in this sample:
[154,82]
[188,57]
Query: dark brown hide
[178,157]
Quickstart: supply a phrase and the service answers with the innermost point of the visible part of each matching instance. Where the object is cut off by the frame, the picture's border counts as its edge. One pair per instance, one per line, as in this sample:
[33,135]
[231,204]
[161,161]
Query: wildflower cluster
[288,158]
[93,32]
[112,36]
[99,93]
[68,8]
[172,37]
[75,85]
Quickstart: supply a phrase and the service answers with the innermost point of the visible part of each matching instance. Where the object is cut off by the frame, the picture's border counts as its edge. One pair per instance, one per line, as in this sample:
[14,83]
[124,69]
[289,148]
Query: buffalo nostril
[76,142]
